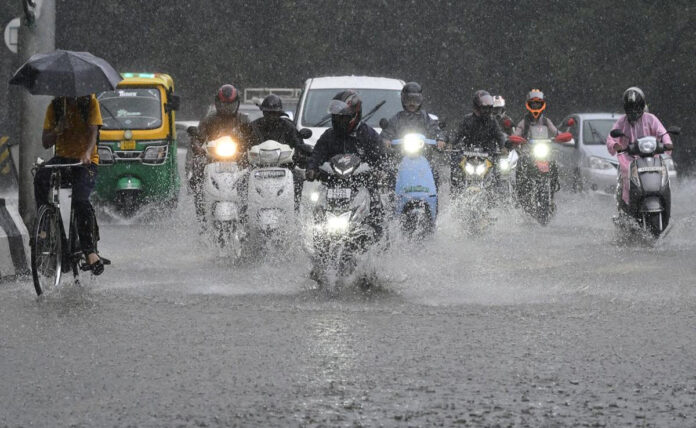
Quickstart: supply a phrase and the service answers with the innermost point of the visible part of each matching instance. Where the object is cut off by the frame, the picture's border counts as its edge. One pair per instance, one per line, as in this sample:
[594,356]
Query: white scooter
[221,195]
[271,197]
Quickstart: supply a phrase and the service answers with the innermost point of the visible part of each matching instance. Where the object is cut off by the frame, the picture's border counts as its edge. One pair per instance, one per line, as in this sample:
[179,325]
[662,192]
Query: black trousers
[82,180]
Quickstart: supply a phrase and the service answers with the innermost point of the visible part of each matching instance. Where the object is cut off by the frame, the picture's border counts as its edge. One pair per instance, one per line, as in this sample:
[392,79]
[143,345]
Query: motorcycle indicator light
[413,143]
[224,147]
[541,150]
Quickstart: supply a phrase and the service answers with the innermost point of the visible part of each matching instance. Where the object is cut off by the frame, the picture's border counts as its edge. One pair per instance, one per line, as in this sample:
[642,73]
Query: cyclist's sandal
[97,267]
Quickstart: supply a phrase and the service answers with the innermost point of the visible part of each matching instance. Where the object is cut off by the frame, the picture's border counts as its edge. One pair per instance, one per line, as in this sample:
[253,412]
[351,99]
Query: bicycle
[51,249]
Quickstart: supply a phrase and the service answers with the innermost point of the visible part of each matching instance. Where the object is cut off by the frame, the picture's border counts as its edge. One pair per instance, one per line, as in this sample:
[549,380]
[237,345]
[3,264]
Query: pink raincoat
[647,125]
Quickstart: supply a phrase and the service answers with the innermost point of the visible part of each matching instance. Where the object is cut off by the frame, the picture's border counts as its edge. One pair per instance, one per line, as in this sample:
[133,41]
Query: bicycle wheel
[46,250]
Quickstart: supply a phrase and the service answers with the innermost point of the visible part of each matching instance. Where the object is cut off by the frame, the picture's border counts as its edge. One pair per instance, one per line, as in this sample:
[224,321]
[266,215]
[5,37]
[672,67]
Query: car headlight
[599,163]
[469,168]
[504,165]
[413,144]
[337,223]
[541,150]
[224,147]
[647,145]
[155,154]
[480,169]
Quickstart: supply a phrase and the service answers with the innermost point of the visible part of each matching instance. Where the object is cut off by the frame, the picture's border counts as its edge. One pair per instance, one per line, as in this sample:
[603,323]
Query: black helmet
[634,103]
[272,103]
[227,100]
[346,111]
[483,103]
[412,94]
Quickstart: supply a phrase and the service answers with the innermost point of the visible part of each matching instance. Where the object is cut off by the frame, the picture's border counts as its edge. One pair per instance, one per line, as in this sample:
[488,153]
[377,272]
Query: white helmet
[498,106]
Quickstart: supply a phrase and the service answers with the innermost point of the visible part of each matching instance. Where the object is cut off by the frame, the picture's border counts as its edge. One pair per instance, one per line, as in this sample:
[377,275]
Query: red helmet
[227,99]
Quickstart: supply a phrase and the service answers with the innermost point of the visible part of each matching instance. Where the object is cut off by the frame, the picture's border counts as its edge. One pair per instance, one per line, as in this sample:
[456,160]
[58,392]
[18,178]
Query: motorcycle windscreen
[538,132]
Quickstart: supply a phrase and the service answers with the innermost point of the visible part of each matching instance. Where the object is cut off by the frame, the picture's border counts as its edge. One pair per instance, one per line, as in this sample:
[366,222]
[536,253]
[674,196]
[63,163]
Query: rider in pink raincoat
[635,124]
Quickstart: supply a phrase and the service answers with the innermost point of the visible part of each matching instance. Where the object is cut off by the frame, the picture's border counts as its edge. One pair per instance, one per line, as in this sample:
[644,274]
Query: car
[585,162]
[312,109]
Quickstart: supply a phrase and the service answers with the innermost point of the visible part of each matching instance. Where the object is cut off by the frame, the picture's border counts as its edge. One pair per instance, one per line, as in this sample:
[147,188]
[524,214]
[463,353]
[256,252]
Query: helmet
[483,103]
[411,96]
[346,111]
[272,105]
[498,106]
[634,103]
[227,100]
[535,102]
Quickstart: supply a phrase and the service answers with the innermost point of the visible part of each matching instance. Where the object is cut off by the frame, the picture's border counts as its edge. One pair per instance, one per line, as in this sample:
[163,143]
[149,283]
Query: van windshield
[316,105]
[594,132]
[132,108]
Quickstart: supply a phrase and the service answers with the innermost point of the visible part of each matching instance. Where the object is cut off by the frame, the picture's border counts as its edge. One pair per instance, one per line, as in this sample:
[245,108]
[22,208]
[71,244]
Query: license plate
[543,166]
[338,194]
[128,145]
[225,167]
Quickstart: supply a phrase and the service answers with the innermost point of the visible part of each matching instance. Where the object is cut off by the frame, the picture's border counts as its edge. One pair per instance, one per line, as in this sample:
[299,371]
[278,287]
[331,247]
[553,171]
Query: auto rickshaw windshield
[131,108]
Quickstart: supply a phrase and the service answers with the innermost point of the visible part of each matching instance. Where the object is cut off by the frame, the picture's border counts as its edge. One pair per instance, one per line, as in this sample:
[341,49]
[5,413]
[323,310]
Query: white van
[312,110]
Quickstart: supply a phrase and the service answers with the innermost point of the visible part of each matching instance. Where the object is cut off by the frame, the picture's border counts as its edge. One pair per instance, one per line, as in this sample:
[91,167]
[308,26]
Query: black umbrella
[66,73]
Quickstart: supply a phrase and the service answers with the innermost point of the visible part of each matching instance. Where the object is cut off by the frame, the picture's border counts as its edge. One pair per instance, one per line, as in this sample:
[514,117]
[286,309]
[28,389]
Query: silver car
[585,162]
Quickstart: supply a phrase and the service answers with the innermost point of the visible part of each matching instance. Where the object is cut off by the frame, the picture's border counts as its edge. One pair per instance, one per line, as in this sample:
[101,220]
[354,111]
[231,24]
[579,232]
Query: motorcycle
[342,229]
[649,193]
[416,193]
[474,187]
[537,172]
[222,187]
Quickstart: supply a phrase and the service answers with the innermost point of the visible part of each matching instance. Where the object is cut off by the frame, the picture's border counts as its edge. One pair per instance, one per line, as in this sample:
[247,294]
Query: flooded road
[523,326]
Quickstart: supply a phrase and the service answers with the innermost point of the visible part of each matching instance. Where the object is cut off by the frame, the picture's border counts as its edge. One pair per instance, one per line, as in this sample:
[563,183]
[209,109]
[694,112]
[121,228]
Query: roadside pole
[36,37]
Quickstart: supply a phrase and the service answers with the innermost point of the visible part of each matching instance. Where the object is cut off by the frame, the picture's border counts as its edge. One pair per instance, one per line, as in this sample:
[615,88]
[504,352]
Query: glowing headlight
[469,168]
[504,165]
[225,147]
[413,144]
[480,169]
[647,145]
[541,150]
[337,224]
[314,196]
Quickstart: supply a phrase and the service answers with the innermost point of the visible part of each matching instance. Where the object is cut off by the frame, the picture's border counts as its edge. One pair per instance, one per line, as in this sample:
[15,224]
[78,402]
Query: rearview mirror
[616,133]
[173,103]
[305,133]
[383,123]
[563,137]
[570,121]
[674,130]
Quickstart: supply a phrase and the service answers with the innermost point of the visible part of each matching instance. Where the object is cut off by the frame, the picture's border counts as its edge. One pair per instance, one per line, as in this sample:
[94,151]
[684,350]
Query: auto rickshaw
[137,144]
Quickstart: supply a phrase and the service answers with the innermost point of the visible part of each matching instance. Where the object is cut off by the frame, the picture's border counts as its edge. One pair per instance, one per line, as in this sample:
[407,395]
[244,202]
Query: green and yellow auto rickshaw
[137,144]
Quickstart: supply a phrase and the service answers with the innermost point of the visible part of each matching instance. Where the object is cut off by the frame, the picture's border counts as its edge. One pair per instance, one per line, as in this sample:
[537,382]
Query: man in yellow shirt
[72,126]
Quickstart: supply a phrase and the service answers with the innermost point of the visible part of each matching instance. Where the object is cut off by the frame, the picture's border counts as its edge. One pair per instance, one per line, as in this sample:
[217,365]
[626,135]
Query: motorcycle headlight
[504,165]
[541,150]
[480,169]
[224,147]
[337,223]
[647,145]
[155,154]
[413,144]
[314,197]
[599,163]
[469,168]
